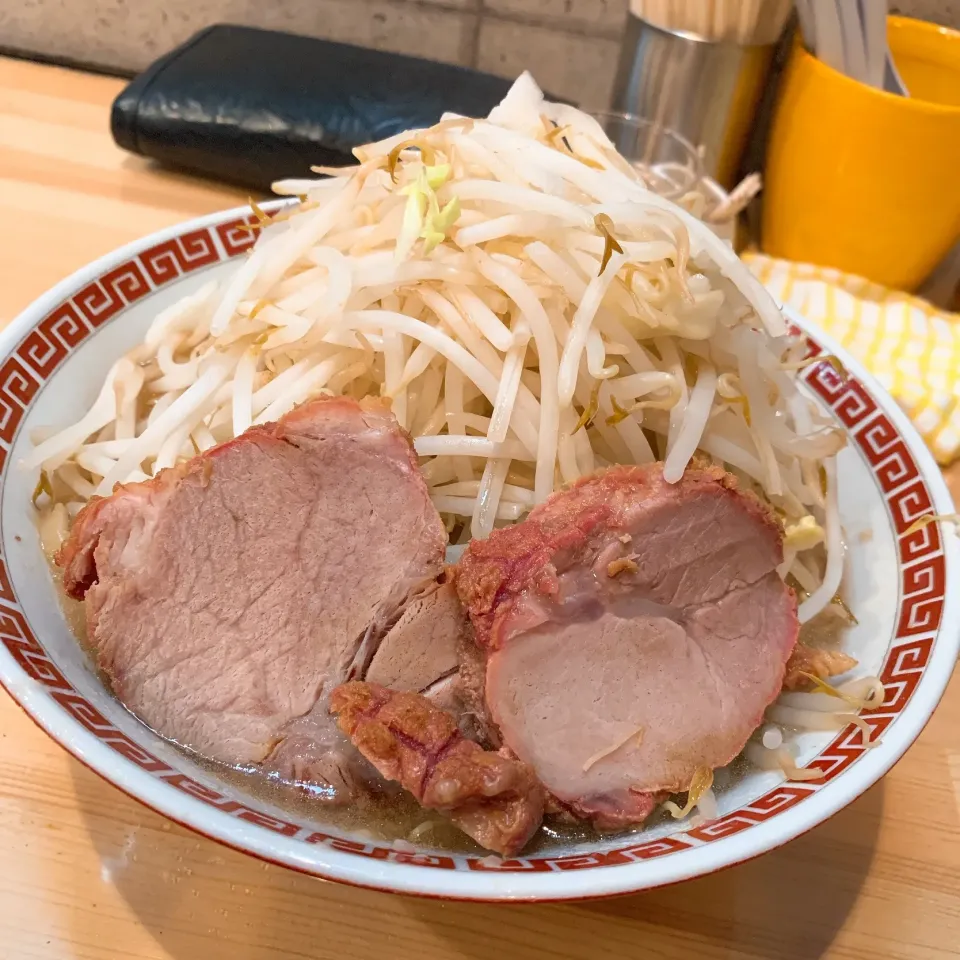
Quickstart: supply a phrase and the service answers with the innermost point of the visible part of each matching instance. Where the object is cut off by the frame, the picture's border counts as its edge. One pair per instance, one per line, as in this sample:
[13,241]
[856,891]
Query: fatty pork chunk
[807,662]
[629,633]
[493,798]
[228,596]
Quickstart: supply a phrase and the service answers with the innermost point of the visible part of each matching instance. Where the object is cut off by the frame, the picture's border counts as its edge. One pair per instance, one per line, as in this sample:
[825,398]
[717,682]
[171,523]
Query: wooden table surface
[87,873]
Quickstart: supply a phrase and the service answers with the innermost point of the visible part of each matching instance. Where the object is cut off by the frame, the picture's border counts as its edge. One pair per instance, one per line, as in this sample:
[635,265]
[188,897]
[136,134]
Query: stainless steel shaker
[708,91]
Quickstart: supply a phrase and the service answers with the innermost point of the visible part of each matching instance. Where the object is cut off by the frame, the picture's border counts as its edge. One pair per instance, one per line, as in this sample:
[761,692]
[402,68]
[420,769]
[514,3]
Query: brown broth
[387,816]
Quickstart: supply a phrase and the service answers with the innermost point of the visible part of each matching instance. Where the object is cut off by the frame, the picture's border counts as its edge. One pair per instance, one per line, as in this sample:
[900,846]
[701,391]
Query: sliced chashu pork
[228,595]
[420,651]
[629,633]
[417,654]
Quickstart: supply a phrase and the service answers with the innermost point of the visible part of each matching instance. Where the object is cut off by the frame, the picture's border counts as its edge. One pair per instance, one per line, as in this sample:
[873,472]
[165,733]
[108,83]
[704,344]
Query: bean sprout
[532,311]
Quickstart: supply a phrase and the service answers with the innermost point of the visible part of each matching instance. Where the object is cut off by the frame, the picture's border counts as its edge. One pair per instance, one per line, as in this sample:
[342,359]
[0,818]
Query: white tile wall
[569,65]
[587,16]
[129,34]
[570,45]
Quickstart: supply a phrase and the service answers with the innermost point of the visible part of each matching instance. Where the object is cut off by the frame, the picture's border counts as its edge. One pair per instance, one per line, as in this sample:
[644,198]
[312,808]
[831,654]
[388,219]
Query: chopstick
[851,37]
[852,33]
[828,34]
[873,16]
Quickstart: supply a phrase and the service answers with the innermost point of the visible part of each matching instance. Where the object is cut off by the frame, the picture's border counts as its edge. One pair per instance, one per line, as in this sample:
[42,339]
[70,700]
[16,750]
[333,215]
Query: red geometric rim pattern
[922,569]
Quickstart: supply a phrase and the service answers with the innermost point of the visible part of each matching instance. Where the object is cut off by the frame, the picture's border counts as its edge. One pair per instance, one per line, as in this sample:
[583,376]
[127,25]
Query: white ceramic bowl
[52,360]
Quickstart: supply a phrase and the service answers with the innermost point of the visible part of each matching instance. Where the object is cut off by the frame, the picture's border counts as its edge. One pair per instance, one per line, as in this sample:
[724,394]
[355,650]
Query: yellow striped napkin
[912,348]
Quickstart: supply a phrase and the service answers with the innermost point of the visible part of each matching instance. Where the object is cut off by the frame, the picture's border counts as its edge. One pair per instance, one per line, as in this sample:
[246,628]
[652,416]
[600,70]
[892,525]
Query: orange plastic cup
[862,180]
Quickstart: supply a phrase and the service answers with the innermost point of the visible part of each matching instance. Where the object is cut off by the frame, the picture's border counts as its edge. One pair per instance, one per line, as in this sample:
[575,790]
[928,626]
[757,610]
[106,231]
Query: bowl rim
[337,860]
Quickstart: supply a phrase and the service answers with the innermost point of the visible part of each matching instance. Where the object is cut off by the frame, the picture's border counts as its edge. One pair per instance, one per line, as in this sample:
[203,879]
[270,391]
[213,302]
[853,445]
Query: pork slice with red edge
[227,596]
[631,632]
[493,798]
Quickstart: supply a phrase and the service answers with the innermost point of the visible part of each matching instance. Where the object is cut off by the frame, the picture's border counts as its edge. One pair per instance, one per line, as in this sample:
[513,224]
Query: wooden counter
[88,874]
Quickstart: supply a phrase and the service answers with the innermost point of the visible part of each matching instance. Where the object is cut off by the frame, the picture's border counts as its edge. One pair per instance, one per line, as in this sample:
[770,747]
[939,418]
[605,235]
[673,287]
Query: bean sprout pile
[530,308]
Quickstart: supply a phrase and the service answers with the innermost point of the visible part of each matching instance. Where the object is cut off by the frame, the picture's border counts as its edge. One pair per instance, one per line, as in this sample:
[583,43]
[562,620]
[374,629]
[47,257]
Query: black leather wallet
[251,106]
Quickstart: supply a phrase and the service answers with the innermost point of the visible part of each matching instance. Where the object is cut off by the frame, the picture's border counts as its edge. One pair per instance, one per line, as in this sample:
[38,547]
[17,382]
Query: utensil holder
[707,91]
[863,180]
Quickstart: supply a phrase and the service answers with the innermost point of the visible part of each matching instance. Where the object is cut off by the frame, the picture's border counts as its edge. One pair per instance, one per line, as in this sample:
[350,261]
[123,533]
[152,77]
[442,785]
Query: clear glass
[669,164]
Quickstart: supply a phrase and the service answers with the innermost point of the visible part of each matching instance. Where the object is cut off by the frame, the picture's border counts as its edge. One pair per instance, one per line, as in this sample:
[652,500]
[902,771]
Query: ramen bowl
[52,362]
